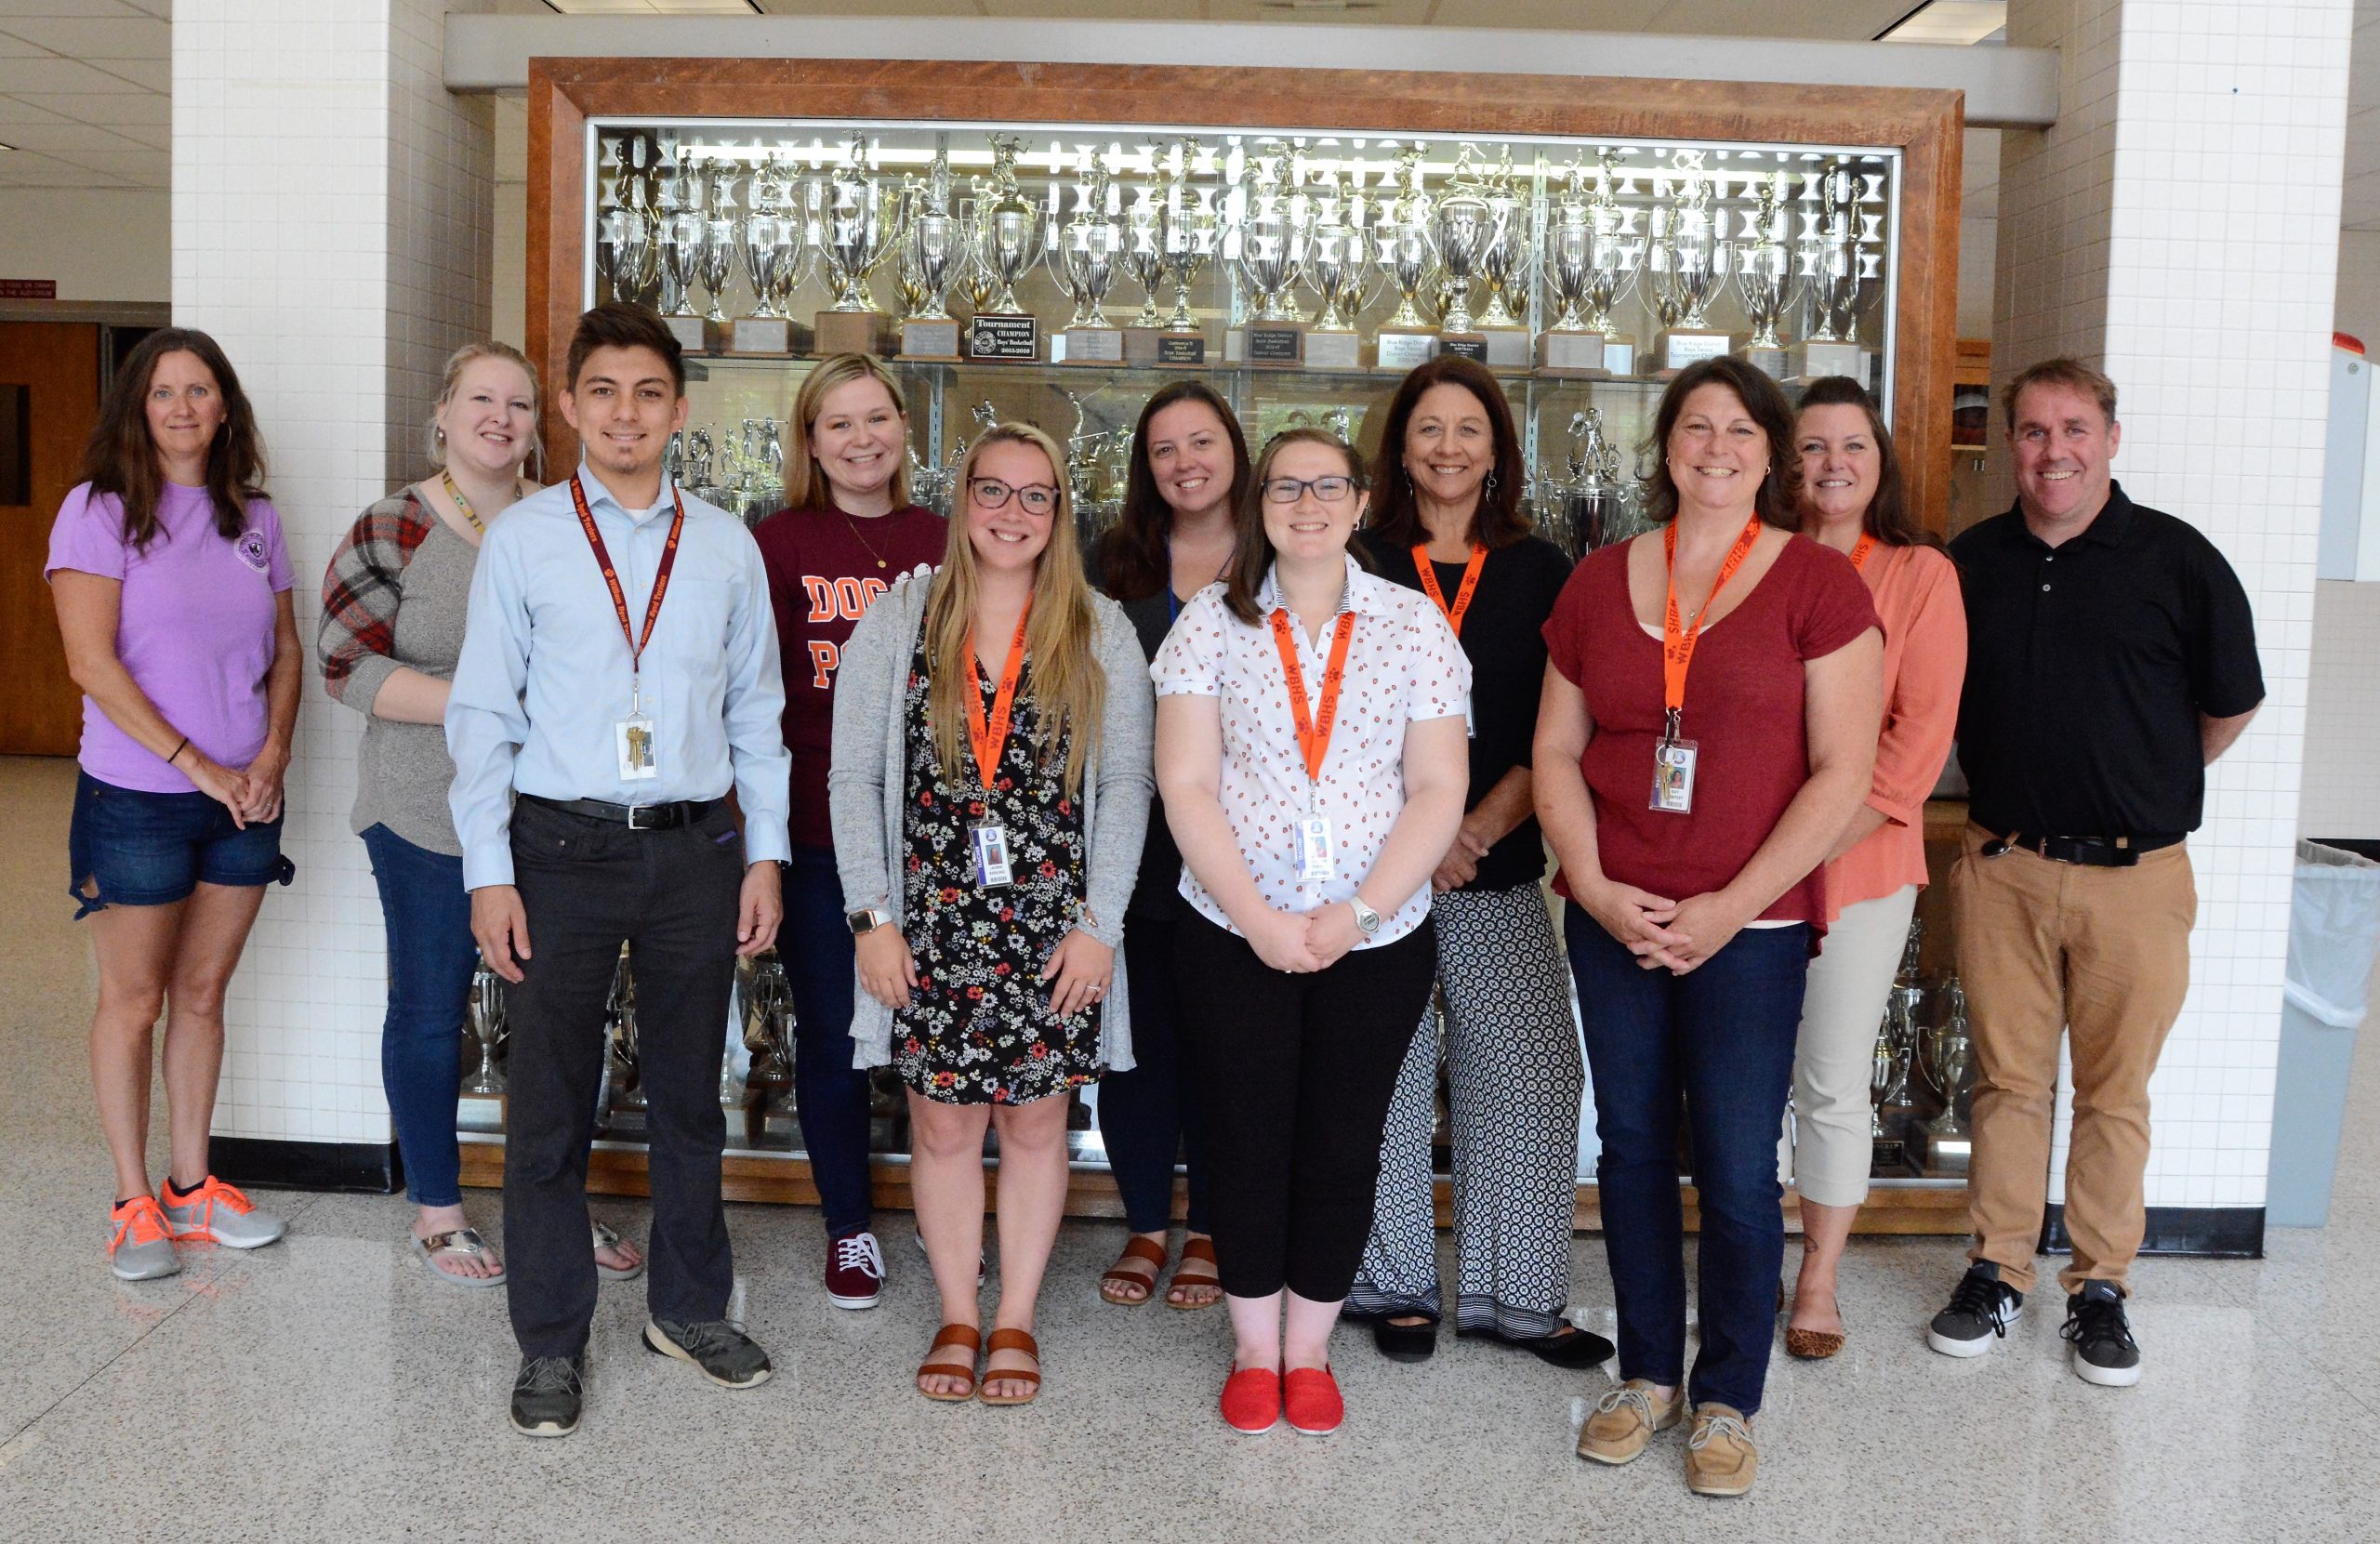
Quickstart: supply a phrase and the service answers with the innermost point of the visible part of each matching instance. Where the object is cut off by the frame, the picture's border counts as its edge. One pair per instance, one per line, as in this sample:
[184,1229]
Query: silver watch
[1367,920]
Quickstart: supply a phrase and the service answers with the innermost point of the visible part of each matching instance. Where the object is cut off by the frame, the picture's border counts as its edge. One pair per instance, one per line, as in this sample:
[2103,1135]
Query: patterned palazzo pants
[1514,1074]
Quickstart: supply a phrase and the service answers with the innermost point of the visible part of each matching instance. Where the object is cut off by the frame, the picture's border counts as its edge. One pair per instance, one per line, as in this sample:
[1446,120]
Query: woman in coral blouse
[1851,500]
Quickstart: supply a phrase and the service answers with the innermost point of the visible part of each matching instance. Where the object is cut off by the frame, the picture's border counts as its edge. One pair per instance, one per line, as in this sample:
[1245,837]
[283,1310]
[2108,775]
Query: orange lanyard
[1861,548]
[1422,566]
[612,577]
[990,740]
[1313,732]
[1678,639]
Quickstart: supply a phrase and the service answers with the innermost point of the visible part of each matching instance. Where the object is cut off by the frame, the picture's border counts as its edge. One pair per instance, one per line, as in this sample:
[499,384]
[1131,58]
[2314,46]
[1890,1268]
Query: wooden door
[57,363]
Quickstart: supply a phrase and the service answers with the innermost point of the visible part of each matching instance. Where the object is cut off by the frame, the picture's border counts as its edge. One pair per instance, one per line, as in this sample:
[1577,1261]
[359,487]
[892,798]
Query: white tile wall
[2178,226]
[331,220]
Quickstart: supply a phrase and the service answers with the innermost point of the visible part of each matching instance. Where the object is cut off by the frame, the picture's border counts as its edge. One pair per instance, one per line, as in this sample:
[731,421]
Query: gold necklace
[852,521]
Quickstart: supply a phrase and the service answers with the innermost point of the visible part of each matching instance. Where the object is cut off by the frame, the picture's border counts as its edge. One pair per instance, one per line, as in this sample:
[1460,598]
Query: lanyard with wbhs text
[1462,595]
[987,838]
[635,731]
[1317,857]
[1673,757]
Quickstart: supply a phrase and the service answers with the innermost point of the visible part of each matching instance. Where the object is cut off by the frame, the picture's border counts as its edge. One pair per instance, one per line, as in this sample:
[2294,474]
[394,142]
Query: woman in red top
[1851,500]
[1706,728]
[848,530]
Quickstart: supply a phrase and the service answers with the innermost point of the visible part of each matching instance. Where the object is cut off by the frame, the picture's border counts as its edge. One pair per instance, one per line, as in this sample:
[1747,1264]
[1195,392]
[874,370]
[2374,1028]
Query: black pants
[587,884]
[1292,1075]
[1146,1115]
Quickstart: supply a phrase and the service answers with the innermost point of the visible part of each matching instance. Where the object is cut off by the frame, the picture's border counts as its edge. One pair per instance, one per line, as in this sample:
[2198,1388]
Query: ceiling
[84,89]
[84,84]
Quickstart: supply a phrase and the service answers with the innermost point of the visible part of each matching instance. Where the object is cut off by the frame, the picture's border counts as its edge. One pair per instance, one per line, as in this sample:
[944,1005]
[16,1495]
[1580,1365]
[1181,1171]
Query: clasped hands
[1302,943]
[252,793]
[1663,934]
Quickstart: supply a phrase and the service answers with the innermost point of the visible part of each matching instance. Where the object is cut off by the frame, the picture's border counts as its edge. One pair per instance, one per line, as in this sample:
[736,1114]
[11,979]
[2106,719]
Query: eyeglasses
[1037,499]
[1288,490]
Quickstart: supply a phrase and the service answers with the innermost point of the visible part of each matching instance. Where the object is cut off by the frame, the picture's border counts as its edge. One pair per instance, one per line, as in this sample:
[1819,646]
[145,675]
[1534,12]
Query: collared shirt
[1402,665]
[2088,665]
[544,675]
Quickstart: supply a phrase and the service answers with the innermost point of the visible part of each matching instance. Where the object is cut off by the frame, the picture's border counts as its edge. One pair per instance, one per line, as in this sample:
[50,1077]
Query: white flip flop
[606,1237]
[464,1242]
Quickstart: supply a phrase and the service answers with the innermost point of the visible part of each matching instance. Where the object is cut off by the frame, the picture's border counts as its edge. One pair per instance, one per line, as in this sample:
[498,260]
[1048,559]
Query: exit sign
[28,289]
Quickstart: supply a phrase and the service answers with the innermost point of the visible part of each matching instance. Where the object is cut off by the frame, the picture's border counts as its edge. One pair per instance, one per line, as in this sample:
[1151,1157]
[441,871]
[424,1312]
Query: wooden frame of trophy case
[1687,195]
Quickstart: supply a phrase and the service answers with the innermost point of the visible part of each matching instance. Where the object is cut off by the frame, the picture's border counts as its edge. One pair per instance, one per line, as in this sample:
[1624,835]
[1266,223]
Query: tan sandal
[1135,1247]
[1010,1339]
[967,1335]
[1203,1251]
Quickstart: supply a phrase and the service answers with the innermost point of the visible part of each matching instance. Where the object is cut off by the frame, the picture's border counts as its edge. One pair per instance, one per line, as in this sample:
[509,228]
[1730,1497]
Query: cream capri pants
[1842,1006]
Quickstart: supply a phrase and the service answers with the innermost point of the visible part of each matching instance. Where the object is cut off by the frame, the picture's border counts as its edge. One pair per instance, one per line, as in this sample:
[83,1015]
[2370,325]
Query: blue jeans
[139,848]
[1723,1037]
[432,957]
[1143,1116]
[831,1096]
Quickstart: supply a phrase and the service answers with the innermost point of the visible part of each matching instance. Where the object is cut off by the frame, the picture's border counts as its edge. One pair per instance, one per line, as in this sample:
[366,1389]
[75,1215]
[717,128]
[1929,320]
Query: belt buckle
[637,825]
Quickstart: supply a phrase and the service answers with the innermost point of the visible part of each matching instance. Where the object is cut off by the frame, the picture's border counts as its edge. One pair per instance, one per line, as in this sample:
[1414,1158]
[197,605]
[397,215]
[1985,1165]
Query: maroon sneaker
[854,1270]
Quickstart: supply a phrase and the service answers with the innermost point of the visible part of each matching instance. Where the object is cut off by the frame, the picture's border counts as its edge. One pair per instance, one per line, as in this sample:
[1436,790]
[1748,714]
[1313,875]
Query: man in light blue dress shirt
[619,675]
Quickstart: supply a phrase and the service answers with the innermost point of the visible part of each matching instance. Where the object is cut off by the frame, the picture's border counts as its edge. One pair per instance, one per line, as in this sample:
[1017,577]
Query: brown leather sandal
[1011,1340]
[1203,1251]
[967,1335]
[1135,1247]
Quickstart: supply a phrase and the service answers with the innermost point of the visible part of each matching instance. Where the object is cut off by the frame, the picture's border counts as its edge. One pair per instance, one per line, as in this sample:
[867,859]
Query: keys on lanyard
[634,734]
[1673,757]
[1317,858]
[1422,566]
[987,838]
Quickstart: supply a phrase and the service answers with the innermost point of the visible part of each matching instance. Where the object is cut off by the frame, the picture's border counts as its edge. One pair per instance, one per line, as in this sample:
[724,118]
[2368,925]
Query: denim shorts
[141,848]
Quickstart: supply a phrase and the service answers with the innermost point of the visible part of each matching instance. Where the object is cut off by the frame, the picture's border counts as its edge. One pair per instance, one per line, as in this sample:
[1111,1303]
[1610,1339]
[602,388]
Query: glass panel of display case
[1059,273]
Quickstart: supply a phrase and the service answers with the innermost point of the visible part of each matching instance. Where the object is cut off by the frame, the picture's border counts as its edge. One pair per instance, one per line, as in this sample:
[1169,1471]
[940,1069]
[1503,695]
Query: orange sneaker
[218,1214]
[143,1248]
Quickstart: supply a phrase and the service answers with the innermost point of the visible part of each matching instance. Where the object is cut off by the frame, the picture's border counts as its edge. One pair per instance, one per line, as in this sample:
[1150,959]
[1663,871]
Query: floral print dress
[979,1029]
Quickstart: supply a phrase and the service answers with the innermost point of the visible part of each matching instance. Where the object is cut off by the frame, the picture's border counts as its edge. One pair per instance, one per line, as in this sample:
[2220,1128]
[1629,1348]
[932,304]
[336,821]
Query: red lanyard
[1313,732]
[1677,640]
[990,740]
[612,577]
[1861,548]
[1421,565]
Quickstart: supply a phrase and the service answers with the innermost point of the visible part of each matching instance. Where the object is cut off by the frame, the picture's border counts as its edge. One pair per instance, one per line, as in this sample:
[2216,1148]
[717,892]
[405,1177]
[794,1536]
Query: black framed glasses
[1035,498]
[1288,490]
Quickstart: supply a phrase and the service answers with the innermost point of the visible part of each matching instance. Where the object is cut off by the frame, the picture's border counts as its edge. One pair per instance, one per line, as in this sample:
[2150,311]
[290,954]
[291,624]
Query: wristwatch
[866,919]
[1367,920]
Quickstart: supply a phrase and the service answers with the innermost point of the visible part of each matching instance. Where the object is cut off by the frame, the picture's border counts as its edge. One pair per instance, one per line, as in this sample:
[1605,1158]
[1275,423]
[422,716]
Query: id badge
[988,845]
[635,735]
[1470,724]
[1318,853]
[1673,776]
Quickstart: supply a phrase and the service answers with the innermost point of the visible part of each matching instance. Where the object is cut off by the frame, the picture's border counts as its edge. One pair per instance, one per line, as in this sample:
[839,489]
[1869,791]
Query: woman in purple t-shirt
[172,588]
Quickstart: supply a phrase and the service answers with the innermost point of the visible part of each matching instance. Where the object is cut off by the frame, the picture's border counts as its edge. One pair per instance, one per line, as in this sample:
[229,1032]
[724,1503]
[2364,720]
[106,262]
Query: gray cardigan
[866,797]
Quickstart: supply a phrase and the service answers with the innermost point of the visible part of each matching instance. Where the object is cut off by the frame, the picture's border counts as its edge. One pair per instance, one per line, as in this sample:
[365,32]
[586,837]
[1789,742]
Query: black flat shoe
[1565,1348]
[1404,1342]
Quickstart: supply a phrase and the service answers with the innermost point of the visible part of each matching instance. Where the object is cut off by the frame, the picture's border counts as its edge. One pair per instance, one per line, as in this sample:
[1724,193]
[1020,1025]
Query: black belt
[2091,851]
[636,817]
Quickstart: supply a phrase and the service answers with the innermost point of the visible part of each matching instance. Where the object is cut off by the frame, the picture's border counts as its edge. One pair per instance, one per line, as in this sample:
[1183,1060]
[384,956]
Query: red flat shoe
[1252,1400]
[1310,1398]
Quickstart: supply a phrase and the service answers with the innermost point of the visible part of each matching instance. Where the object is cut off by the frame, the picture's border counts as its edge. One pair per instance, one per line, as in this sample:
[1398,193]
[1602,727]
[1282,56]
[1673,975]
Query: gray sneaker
[217,1213]
[727,1356]
[547,1394]
[143,1248]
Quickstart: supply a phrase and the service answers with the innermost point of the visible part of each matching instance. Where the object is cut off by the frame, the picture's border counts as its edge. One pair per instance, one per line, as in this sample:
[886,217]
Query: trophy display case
[1053,243]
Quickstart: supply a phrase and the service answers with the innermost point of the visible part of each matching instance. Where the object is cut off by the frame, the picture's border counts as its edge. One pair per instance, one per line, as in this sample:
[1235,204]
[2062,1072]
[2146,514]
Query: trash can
[2334,934]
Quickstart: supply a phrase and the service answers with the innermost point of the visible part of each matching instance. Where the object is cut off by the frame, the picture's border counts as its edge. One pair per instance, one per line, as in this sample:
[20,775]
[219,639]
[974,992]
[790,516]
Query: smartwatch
[866,919]
[1367,920]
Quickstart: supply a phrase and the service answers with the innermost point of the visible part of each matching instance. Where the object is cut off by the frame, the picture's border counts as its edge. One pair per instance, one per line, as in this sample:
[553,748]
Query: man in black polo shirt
[2112,657]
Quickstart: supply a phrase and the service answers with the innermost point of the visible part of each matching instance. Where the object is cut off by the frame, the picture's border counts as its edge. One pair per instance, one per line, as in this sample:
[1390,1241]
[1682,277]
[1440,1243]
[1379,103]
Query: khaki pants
[2101,954]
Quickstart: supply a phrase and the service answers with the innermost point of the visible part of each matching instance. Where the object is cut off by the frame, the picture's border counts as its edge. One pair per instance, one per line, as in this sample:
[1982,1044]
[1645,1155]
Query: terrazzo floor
[326,1389]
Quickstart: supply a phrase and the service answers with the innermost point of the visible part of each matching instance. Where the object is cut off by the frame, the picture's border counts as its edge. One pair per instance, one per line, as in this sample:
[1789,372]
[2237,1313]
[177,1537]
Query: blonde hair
[461,359]
[1061,635]
[805,479]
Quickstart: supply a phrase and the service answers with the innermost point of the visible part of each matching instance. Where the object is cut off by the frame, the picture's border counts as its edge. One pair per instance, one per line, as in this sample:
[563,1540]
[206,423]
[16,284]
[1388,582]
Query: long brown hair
[1774,500]
[1888,518]
[1251,554]
[119,458]
[1134,560]
[1061,635]
[805,481]
[1497,521]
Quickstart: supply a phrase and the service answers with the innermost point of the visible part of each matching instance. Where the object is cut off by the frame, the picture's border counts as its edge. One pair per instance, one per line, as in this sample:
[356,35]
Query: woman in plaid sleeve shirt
[394,604]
